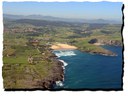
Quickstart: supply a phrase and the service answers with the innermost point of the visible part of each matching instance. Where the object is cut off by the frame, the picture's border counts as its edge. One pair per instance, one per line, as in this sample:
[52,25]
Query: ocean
[91,71]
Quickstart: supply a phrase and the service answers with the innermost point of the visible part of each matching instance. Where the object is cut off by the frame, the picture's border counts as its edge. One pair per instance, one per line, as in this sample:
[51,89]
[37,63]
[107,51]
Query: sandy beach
[60,46]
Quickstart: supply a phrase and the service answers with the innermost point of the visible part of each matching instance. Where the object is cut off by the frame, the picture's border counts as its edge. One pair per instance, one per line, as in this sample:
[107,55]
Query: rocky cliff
[103,51]
[106,42]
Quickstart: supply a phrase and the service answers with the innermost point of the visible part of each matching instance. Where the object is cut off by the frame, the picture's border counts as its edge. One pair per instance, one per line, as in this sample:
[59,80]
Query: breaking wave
[65,64]
[64,53]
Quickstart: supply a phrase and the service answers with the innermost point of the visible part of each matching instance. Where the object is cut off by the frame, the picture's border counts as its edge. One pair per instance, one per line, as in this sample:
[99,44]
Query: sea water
[91,71]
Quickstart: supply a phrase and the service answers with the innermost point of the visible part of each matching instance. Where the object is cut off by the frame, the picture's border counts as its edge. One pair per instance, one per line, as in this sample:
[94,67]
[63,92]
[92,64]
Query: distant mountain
[51,18]
[41,22]
[12,17]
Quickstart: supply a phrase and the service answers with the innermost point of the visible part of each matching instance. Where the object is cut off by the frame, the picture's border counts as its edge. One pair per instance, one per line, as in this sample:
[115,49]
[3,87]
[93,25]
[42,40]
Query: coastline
[61,47]
[57,79]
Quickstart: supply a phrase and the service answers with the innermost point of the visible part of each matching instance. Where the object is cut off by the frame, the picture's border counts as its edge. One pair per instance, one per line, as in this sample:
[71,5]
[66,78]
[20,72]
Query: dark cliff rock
[113,42]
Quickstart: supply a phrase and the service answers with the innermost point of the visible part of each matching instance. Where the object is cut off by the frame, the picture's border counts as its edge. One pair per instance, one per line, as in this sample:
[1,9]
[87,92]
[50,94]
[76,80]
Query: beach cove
[91,71]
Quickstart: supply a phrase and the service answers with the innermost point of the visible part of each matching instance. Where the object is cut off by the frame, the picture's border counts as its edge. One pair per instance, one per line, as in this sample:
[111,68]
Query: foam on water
[61,53]
[59,83]
[64,53]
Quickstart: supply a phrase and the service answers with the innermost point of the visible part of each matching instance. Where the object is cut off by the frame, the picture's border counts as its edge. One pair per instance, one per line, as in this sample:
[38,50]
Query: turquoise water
[89,71]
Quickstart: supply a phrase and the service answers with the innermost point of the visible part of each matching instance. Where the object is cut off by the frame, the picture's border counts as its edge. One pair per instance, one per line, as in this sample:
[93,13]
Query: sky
[83,10]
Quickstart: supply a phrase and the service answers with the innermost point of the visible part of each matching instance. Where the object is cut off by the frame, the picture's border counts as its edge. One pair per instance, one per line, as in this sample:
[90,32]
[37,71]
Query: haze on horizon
[80,10]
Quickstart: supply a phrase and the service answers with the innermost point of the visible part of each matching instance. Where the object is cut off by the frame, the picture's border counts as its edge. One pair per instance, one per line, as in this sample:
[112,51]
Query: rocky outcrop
[106,42]
[103,51]
[57,74]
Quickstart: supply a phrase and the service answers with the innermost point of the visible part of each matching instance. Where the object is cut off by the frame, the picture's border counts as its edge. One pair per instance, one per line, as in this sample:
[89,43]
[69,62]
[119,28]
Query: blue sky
[84,10]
